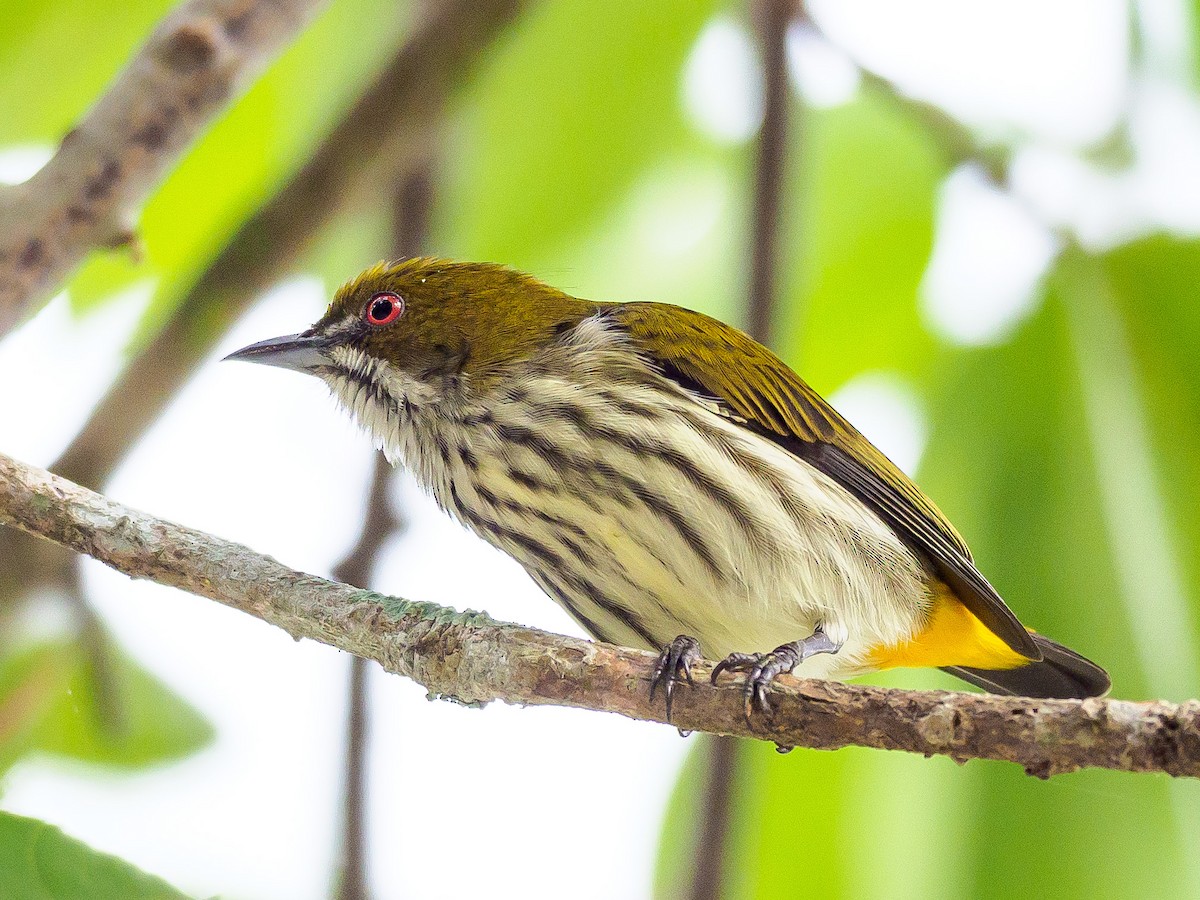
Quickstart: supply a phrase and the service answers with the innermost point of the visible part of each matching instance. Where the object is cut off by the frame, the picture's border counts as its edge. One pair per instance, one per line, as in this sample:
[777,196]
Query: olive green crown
[482,314]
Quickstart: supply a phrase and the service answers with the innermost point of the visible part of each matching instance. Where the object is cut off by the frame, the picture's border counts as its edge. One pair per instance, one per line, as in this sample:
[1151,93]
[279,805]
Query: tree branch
[471,658]
[88,195]
[772,17]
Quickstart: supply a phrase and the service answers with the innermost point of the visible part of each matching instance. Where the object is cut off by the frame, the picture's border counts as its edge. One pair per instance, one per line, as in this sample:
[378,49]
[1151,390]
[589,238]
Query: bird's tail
[1061,674]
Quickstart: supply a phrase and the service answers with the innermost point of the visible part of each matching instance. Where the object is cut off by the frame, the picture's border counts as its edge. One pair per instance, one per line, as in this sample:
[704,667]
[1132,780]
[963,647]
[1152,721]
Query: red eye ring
[384,308]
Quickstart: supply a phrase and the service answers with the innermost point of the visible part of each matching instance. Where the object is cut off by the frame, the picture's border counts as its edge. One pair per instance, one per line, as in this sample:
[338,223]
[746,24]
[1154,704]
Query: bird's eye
[384,308]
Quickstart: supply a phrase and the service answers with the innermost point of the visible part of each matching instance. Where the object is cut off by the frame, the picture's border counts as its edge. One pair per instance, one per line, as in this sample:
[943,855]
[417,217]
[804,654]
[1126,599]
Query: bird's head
[424,327]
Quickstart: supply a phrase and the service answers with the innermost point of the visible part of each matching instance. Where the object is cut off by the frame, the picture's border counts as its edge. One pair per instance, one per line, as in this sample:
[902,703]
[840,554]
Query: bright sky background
[507,802]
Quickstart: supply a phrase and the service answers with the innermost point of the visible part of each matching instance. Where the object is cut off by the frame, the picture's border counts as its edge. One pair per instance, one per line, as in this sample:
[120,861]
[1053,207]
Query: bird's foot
[763,668]
[675,665]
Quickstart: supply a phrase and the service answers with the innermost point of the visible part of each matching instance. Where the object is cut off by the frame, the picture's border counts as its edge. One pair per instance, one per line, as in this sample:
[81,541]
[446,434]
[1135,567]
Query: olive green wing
[713,359]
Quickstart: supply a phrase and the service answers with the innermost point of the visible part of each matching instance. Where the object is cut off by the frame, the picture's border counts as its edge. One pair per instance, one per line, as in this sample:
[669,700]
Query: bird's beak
[300,352]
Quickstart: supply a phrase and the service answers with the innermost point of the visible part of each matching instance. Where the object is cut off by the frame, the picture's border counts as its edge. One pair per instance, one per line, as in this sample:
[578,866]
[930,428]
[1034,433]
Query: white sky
[465,801]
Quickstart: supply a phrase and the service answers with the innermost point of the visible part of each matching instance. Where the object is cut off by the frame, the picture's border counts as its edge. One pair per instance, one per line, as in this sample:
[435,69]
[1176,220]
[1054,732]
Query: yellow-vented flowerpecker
[659,473]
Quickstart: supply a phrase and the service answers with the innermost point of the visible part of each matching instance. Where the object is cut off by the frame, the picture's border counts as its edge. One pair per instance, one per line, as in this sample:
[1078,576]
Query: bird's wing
[713,359]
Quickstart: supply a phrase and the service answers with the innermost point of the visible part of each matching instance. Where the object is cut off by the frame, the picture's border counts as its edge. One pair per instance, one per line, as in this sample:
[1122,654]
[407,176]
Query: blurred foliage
[861,207]
[544,147]
[101,37]
[42,863]
[1011,458]
[570,155]
[48,704]
[1153,284]
[265,137]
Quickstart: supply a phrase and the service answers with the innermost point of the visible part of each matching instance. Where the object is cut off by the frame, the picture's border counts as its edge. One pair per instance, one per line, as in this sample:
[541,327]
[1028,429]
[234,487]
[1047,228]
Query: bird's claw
[761,669]
[675,665]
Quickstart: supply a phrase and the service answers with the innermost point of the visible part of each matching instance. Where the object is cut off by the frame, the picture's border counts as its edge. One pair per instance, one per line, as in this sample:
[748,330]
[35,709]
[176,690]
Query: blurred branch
[957,142]
[88,195]
[411,213]
[771,18]
[380,523]
[353,879]
[387,131]
[473,659]
[716,814]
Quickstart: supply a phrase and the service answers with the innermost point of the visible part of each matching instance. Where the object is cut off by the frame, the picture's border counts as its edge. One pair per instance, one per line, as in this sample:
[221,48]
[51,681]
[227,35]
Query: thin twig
[716,814]
[353,876]
[473,659]
[89,193]
[771,18]
[381,523]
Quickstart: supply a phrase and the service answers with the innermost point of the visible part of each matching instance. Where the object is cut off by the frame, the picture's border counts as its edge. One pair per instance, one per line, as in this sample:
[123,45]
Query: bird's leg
[764,667]
[675,665]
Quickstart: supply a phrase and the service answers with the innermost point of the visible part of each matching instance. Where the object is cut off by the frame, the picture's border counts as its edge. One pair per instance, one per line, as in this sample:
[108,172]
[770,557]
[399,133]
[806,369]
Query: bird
[669,481]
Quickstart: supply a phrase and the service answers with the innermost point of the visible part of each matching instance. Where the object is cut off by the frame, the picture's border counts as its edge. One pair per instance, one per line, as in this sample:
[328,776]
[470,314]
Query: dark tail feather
[1062,674]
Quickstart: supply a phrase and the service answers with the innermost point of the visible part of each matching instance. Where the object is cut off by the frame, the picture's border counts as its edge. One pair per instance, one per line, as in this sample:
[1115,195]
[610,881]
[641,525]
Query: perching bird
[659,473]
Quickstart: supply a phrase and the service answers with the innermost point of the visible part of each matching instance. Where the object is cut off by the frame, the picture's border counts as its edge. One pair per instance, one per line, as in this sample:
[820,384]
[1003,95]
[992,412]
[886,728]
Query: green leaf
[566,113]
[1194,20]
[42,863]
[48,703]
[102,276]
[676,238]
[56,56]
[857,241]
[30,682]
